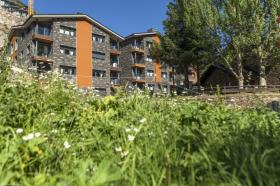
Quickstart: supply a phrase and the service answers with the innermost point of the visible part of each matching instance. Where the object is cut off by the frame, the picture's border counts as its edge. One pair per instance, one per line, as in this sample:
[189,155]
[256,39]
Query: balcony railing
[138,48]
[138,78]
[115,81]
[115,50]
[114,47]
[115,64]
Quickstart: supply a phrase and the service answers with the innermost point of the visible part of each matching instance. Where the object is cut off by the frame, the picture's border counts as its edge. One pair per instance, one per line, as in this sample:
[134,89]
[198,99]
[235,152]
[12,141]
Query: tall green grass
[71,137]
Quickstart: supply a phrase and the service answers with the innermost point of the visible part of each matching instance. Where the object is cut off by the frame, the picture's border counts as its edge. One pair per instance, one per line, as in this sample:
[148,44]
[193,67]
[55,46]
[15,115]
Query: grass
[72,137]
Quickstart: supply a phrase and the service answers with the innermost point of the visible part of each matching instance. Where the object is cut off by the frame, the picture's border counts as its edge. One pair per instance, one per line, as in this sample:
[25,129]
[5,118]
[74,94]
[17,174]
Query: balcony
[115,66]
[42,38]
[115,82]
[42,34]
[137,48]
[115,50]
[136,63]
[43,52]
[138,79]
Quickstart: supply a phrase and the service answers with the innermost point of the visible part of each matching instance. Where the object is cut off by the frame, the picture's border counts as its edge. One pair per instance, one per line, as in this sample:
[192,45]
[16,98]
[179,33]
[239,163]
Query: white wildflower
[54,131]
[52,114]
[124,154]
[28,137]
[127,130]
[136,130]
[37,134]
[118,149]
[131,138]
[143,120]
[19,131]
[66,145]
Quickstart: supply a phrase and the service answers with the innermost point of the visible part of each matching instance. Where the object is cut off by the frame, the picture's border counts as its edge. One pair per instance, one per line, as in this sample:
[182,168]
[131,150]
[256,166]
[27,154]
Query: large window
[99,73]
[67,50]
[164,88]
[67,31]
[149,59]
[44,49]
[138,72]
[67,70]
[164,75]
[44,30]
[98,38]
[149,44]
[150,73]
[151,87]
[98,55]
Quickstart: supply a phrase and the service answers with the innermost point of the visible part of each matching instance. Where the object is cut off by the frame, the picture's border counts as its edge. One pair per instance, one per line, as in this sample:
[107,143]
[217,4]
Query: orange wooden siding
[84,50]
[156,62]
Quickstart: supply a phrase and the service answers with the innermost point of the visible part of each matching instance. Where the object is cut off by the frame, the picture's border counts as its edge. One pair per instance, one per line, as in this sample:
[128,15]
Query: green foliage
[70,137]
[190,35]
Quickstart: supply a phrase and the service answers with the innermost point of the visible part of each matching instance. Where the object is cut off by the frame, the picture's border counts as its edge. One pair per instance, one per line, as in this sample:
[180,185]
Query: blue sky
[122,16]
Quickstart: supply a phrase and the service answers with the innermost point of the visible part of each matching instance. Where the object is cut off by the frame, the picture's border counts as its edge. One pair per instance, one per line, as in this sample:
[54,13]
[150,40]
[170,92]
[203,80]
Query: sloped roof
[67,16]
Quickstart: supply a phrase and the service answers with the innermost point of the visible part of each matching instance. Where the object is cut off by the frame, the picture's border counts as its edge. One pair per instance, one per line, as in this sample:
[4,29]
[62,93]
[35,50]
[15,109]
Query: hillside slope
[9,19]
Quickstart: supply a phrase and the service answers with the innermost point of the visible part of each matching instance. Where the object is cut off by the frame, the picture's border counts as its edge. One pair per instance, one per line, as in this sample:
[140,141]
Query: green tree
[263,35]
[233,23]
[190,37]
[250,31]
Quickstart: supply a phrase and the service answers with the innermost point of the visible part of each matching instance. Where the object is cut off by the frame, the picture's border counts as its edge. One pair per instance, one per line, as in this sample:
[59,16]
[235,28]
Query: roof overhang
[48,17]
[143,34]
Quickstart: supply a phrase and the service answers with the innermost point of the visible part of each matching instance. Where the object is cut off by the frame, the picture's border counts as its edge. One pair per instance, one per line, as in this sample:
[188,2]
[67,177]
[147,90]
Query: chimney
[152,30]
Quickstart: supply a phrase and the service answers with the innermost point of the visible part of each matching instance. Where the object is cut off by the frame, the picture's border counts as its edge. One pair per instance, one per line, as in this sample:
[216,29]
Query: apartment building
[79,47]
[139,69]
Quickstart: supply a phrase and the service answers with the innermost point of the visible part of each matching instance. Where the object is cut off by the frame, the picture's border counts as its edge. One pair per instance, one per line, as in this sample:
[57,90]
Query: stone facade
[148,67]
[102,64]
[25,46]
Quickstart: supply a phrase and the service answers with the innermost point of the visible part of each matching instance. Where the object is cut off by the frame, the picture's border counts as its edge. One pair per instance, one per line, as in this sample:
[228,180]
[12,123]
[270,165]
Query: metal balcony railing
[135,61]
[115,64]
[115,81]
[139,77]
[138,47]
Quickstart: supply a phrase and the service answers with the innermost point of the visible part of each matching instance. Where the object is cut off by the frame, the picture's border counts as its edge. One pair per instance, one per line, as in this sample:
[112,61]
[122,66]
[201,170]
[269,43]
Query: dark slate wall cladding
[126,61]
[99,64]
[25,61]
[62,39]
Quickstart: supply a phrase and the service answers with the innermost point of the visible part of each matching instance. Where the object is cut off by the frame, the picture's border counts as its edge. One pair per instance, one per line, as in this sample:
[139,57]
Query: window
[164,88]
[164,75]
[67,50]
[22,35]
[149,59]
[151,87]
[150,73]
[28,49]
[149,44]
[67,70]
[67,31]
[43,30]
[98,55]
[44,49]
[114,45]
[98,38]
[99,73]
